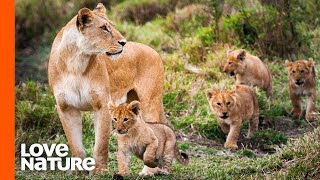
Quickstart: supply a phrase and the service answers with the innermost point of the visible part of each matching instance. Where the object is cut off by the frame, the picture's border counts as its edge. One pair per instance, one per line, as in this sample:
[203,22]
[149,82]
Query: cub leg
[233,135]
[149,156]
[123,158]
[296,111]
[224,127]
[168,155]
[72,126]
[311,103]
[253,125]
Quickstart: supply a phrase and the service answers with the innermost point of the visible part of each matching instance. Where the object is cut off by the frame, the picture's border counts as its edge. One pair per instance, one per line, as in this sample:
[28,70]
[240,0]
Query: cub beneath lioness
[302,83]
[249,70]
[231,108]
[153,143]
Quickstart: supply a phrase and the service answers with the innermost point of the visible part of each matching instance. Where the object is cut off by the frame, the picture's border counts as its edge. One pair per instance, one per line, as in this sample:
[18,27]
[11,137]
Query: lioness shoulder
[231,108]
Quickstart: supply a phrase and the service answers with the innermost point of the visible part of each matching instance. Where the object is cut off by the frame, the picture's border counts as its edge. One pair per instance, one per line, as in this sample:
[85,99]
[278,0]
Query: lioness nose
[122,42]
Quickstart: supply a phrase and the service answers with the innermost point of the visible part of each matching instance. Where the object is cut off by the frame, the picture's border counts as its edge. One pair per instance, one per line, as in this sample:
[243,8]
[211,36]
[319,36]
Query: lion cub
[302,83]
[249,70]
[153,143]
[231,108]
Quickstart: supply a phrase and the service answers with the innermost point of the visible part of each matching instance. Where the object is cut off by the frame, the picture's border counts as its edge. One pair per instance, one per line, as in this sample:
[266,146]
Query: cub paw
[146,173]
[231,145]
[296,113]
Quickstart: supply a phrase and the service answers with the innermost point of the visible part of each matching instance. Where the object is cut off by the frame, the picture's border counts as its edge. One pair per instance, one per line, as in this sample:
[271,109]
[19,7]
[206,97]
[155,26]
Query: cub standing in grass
[231,108]
[154,143]
[302,83]
[249,70]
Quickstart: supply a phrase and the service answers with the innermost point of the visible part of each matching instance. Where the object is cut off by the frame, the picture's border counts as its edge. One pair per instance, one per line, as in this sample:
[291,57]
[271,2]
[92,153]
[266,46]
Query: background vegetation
[192,37]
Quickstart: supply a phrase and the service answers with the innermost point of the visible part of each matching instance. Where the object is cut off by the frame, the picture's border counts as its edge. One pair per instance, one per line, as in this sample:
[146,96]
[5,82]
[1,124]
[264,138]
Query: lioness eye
[228,103]
[125,119]
[105,28]
[219,104]
[115,119]
[302,71]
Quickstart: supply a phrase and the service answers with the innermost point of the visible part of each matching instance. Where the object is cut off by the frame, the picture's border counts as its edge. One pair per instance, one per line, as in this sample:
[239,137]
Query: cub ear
[84,18]
[310,63]
[101,9]
[210,93]
[111,107]
[242,55]
[288,63]
[135,107]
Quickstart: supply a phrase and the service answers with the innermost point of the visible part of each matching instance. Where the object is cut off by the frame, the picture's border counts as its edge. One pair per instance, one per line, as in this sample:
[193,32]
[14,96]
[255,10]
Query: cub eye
[228,103]
[302,71]
[219,104]
[115,119]
[105,28]
[230,63]
[125,119]
[293,72]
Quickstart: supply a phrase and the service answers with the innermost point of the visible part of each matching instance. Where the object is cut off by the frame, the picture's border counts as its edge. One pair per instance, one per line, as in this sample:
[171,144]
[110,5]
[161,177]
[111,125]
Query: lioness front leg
[72,125]
[311,106]
[296,111]
[102,126]
[233,136]
[149,156]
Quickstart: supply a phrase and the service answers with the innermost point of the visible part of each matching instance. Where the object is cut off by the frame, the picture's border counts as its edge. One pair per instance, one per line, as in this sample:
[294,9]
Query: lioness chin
[153,143]
[231,108]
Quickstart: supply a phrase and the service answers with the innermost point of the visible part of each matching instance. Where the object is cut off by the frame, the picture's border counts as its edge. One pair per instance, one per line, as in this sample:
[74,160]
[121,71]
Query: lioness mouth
[110,54]
[224,117]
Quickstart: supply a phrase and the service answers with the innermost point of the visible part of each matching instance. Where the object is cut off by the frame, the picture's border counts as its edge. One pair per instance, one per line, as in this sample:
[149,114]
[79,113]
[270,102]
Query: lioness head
[235,63]
[299,71]
[222,102]
[98,34]
[124,116]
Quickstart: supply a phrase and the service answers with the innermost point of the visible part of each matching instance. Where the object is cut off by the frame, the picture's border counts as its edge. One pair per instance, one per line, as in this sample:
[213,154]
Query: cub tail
[182,157]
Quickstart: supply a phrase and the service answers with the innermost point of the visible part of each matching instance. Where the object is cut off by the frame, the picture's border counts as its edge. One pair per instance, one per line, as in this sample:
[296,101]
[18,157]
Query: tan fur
[153,143]
[85,72]
[249,70]
[302,83]
[231,108]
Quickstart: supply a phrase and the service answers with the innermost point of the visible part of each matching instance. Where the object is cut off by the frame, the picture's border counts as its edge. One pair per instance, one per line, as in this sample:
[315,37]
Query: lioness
[302,83]
[153,143]
[249,70]
[231,108]
[84,75]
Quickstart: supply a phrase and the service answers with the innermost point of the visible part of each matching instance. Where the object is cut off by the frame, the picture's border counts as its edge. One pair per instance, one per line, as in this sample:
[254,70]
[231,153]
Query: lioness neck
[75,60]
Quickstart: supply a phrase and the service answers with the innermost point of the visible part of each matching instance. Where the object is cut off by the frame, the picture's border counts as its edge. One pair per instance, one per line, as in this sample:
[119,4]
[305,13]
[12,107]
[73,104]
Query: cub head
[222,102]
[98,34]
[124,116]
[300,71]
[235,63]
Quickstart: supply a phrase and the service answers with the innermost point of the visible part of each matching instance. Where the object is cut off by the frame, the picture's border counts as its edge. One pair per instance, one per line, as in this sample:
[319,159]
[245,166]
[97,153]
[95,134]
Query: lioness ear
[84,18]
[288,63]
[135,107]
[242,55]
[111,107]
[100,9]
